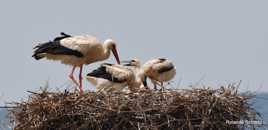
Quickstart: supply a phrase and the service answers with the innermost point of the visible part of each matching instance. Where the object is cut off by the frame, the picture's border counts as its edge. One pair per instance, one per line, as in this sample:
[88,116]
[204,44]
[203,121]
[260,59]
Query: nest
[146,110]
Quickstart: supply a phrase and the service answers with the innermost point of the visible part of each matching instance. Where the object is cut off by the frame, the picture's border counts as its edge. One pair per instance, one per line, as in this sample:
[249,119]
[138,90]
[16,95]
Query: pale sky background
[215,42]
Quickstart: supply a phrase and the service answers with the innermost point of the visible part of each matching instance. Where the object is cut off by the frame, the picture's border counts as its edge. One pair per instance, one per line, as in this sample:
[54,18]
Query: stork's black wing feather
[102,73]
[166,68]
[55,48]
[162,59]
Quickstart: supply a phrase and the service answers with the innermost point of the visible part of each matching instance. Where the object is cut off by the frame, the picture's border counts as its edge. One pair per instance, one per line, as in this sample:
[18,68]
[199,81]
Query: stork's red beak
[116,55]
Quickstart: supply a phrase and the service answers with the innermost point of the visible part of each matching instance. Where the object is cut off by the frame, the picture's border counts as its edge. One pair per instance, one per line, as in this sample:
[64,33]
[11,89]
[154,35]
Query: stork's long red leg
[81,79]
[71,76]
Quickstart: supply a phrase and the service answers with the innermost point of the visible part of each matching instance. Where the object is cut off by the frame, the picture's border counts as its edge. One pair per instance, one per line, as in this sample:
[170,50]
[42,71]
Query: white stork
[158,70]
[114,78]
[76,51]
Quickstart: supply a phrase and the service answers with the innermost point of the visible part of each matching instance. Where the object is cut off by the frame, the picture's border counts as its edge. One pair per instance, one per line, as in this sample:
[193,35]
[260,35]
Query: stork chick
[114,78]
[158,70]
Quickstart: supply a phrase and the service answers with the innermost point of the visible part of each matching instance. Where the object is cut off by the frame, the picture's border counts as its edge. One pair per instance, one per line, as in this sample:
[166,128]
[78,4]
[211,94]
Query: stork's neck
[106,51]
[136,84]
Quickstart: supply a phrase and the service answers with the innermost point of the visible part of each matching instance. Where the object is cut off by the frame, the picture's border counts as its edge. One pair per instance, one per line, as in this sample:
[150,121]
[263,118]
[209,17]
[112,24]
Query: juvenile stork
[135,66]
[76,51]
[114,78]
[159,70]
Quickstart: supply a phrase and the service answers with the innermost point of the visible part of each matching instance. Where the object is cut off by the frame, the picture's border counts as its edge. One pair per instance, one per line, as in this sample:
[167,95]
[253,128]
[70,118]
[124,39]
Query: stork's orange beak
[116,55]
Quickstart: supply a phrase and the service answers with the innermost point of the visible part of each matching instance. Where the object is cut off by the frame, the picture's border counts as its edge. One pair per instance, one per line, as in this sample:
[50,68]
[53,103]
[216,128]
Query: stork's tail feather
[54,48]
[40,49]
[37,57]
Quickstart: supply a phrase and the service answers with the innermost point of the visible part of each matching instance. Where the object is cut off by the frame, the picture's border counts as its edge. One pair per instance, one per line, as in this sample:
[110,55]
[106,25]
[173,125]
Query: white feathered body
[152,68]
[89,46]
[104,85]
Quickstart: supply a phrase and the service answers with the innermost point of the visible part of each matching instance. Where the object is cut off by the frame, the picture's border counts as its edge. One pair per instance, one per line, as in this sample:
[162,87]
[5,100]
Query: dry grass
[147,110]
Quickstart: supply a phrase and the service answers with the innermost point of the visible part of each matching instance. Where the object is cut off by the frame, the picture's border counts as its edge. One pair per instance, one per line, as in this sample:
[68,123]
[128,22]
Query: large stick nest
[146,110]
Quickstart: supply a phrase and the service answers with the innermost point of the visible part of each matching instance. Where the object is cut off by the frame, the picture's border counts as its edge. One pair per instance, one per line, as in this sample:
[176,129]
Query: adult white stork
[158,70]
[76,51]
[114,78]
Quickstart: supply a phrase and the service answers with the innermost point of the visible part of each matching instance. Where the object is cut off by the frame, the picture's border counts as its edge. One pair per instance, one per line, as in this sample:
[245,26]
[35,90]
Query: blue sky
[215,42]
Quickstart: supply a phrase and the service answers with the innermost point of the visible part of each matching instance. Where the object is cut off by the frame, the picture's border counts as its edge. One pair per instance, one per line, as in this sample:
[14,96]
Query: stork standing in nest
[76,51]
[115,78]
[159,70]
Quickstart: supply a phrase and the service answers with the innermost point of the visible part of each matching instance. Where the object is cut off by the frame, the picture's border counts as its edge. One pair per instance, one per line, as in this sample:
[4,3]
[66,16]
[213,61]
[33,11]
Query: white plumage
[76,51]
[103,85]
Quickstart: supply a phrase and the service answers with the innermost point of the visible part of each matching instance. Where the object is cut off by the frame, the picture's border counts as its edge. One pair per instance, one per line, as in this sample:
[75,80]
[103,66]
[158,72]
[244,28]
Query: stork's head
[134,62]
[112,46]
